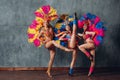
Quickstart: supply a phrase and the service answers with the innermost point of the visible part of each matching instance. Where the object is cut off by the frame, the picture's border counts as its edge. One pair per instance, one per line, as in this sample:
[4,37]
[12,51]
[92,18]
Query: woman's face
[45,24]
[85,27]
[87,22]
[67,28]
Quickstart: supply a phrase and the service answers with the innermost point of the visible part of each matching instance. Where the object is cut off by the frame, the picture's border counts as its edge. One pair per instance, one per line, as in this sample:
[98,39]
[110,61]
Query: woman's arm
[40,34]
[61,33]
[80,35]
[62,37]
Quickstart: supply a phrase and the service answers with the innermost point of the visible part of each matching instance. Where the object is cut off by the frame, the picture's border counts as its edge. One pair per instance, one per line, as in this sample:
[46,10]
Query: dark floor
[58,75]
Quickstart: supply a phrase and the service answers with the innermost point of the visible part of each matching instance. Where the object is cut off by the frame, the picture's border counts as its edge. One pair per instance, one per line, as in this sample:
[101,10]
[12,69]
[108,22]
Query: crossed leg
[84,48]
[91,55]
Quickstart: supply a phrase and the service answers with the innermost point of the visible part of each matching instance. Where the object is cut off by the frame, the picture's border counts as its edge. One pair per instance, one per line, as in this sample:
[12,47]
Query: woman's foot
[70,73]
[49,75]
[68,50]
[90,71]
[75,16]
[89,74]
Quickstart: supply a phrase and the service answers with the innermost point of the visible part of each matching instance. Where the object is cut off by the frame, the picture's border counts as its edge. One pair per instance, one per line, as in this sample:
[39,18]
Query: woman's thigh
[48,44]
[88,46]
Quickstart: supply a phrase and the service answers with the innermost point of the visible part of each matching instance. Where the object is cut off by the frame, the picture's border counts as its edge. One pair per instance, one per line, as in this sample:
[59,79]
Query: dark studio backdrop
[17,15]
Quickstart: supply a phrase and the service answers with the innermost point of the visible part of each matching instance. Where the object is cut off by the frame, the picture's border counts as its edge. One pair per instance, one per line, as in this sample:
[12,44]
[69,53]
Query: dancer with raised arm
[93,36]
[88,45]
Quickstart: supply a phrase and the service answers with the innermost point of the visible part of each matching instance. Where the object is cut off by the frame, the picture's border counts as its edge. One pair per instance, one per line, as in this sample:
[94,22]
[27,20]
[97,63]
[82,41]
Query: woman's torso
[88,39]
[47,33]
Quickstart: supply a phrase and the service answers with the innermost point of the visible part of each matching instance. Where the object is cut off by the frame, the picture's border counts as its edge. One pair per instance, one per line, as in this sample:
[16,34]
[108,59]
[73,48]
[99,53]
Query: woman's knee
[92,53]
[80,47]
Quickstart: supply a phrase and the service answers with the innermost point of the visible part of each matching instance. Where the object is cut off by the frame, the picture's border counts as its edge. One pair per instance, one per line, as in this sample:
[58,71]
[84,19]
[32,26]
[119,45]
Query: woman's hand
[79,34]
[84,36]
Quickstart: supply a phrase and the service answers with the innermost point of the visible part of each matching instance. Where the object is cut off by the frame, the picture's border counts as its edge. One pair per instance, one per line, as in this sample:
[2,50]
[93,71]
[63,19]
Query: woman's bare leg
[52,56]
[92,52]
[74,55]
[85,46]
[73,36]
[50,43]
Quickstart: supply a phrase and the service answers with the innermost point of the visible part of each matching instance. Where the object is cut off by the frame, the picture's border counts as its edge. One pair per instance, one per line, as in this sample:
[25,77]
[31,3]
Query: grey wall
[16,16]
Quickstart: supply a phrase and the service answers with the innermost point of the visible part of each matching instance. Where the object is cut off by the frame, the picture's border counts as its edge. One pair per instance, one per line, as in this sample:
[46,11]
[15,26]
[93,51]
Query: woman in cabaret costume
[50,43]
[88,45]
[93,35]
[68,36]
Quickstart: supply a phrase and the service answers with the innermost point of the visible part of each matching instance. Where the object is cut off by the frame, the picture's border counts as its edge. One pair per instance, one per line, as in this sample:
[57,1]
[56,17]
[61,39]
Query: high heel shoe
[90,71]
[70,73]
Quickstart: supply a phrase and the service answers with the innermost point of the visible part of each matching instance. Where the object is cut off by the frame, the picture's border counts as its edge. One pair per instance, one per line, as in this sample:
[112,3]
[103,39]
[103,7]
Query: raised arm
[80,35]
[40,34]
[61,33]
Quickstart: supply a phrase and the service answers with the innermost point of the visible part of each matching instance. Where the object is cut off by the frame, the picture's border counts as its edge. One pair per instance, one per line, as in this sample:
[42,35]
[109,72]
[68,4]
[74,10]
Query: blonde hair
[63,16]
